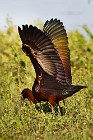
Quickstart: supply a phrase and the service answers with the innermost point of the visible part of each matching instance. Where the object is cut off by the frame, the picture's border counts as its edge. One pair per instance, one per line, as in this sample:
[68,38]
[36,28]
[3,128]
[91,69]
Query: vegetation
[29,122]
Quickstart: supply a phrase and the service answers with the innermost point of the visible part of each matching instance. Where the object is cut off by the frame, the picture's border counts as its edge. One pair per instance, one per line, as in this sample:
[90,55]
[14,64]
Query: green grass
[30,123]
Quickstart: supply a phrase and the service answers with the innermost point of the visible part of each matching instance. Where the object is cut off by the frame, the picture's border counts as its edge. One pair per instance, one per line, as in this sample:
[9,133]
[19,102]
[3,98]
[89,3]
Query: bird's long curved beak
[21,101]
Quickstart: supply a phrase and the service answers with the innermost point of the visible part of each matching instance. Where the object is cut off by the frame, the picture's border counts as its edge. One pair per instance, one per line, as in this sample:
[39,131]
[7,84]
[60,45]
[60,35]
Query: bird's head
[27,93]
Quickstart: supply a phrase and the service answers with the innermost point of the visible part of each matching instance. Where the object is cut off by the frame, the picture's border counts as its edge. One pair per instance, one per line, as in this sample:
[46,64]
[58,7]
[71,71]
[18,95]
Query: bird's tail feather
[76,88]
[73,89]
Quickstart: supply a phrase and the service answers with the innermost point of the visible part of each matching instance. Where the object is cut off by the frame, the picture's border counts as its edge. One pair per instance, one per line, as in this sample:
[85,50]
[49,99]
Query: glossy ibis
[49,53]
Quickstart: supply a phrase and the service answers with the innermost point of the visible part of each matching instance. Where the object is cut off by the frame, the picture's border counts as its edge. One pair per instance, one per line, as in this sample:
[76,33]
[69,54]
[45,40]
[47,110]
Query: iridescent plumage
[54,29]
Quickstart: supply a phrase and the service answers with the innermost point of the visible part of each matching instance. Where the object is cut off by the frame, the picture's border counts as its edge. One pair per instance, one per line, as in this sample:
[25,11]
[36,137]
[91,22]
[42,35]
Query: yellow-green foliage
[30,123]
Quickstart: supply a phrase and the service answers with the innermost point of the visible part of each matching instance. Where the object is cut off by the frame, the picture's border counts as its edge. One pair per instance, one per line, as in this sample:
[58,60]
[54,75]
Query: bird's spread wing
[35,42]
[54,29]
[49,83]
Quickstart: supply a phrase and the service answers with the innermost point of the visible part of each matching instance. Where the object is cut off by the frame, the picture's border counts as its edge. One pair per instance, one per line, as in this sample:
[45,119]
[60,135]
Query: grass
[29,122]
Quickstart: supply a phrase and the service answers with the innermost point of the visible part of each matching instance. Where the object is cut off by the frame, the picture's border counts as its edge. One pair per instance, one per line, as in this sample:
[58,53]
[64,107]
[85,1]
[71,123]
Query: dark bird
[49,53]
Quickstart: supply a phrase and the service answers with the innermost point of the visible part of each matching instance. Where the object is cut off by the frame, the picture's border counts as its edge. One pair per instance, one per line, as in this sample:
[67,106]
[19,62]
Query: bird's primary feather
[56,32]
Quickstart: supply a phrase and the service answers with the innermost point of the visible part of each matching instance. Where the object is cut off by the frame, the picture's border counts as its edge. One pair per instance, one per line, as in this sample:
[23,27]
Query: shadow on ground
[46,108]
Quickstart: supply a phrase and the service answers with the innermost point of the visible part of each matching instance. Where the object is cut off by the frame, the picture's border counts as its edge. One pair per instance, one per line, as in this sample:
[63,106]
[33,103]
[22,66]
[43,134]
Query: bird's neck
[37,81]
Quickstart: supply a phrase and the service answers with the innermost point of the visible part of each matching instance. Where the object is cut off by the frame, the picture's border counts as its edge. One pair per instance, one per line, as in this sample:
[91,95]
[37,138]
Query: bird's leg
[58,107]
[52,108]
[51,102]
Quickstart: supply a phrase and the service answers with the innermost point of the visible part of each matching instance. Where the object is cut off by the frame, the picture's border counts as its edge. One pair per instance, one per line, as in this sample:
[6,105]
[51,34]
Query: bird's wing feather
[35,42]
[54,29]
[49,83]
